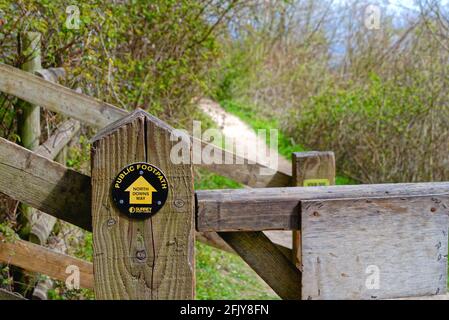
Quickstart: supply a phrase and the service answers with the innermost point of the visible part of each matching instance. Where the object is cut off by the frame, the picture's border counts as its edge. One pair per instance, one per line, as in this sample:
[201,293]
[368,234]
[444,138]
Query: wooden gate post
[312,168]
[29,117]
[151,258]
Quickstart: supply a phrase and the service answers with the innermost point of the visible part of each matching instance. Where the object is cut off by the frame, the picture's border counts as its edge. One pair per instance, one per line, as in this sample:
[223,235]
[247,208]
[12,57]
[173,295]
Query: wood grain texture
[267,261]
[164,242]
[305,166]
[404,238]
[57,98]
[59,139]
[278,208]
[45,184]
[40,191]
[39,259]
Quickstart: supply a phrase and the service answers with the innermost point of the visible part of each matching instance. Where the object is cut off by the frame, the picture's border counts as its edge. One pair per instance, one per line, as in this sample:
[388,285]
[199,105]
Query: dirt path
[233,127]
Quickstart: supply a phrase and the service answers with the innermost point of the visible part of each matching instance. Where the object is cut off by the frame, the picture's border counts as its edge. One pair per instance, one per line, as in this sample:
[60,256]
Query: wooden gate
[347,242]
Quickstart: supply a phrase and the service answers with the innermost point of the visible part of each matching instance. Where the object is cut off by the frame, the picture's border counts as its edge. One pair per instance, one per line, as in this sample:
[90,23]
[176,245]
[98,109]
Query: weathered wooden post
[29,121]
[29,116]
[313,168]
[143,248]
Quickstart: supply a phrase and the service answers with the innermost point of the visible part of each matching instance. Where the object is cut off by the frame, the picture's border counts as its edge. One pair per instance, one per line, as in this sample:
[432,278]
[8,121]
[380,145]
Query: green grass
[205,180]
[286,146]
[222,275]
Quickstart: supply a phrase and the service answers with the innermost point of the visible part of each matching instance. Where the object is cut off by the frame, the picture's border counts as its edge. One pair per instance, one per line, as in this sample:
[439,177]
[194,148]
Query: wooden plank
[312,168]
[44,184]
[141,259]
[41,223]
[35,258]
[52,74]
[375,248]
[8,295]
[57,98]
[59,139]
[269,262]
[278,208]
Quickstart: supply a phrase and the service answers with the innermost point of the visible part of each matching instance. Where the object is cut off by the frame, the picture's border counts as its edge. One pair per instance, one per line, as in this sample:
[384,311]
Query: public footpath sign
[140,190]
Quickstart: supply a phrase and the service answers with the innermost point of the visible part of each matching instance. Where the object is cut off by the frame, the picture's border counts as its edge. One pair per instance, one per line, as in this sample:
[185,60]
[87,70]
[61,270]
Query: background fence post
[29,116]
[313,168]
[29,121]
[141,259]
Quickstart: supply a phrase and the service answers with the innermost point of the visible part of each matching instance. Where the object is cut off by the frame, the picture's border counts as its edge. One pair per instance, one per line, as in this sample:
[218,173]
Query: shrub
[381,132]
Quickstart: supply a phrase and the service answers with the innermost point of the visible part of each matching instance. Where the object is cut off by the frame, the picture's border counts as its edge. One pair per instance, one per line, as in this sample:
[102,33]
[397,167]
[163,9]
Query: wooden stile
[141,259]
[310,168]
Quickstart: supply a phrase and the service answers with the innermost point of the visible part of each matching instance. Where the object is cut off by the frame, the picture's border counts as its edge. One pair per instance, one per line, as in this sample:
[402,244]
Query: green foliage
[251,115]
[380,132]
[7,233]
[222,275]
[79,155]
[60,292]
[85,249]
[205,180]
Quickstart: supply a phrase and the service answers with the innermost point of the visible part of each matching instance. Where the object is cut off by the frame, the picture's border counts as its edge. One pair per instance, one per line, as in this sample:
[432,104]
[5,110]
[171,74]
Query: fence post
[29,121]
[29,117]
[312,168]
[150,258]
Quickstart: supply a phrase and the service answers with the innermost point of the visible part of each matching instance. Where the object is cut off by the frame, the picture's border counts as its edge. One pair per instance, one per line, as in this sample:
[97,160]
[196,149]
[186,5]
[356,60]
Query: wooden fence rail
[96,113]
[36,258]
[279,208]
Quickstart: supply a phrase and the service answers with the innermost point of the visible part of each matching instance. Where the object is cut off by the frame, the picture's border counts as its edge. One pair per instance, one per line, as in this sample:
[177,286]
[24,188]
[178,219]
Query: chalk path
[233,127]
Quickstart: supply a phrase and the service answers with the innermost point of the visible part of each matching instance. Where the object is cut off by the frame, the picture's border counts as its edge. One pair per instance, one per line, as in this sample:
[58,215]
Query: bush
[153,55]
[380,132]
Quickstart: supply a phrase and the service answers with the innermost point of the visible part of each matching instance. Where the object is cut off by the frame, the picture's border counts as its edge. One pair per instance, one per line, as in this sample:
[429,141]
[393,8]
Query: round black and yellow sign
[140,190]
